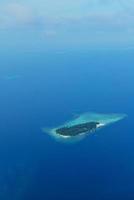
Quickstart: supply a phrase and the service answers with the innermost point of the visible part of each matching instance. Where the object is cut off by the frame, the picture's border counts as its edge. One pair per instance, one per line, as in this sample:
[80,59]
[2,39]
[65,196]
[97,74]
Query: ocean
[45,89]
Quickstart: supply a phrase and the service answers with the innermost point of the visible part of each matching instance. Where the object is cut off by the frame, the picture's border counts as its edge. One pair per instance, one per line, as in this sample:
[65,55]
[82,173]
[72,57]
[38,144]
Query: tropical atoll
[83,125]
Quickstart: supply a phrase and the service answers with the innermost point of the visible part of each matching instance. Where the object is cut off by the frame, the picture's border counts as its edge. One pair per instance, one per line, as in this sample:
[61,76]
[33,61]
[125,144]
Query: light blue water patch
[101,118]
[11,77]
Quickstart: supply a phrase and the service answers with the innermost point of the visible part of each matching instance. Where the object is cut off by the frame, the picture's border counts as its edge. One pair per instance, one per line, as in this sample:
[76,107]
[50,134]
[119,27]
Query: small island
[78,129]
[83,125]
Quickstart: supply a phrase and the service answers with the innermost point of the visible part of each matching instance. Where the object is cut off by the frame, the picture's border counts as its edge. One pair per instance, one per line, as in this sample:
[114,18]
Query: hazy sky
[84,22]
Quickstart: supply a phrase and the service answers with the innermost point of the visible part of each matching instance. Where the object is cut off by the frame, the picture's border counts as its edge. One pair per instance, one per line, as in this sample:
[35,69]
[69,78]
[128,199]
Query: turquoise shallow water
[99,117]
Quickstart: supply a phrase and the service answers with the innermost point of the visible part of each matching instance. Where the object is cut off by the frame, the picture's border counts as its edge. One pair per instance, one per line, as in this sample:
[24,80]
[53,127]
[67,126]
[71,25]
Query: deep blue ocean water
[44,89]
